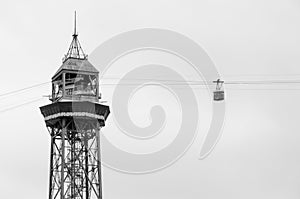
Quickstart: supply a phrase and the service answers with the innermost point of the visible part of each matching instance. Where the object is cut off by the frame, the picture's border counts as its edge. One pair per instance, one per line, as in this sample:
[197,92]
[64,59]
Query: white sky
[258,154]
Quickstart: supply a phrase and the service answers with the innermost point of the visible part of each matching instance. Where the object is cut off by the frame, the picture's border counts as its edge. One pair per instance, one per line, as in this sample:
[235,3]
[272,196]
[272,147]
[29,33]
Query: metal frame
[75,165]
[219,84]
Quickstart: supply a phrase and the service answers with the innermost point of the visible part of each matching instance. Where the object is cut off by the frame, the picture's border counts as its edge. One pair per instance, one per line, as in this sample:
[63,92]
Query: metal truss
[75,162]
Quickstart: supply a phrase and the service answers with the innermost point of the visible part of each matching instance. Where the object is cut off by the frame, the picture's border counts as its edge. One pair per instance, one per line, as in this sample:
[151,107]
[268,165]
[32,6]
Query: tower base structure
[75,158]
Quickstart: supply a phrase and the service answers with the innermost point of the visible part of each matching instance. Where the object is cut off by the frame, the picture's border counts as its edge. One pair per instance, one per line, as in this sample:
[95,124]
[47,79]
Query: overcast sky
[258,154]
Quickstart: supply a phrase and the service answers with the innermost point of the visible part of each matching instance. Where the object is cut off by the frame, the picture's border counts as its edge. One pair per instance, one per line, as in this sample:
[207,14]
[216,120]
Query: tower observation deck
[74,119]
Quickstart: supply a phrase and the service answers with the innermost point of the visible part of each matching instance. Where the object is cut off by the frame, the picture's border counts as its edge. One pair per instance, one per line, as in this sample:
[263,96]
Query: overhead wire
[169,82]
[23,89]
[20,105]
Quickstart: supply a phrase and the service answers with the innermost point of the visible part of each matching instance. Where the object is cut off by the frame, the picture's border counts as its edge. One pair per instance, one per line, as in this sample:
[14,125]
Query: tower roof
[75,59]
[72,64]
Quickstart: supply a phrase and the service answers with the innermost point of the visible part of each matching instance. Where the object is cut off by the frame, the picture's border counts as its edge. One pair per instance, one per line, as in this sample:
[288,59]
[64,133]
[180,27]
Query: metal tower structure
[74,119]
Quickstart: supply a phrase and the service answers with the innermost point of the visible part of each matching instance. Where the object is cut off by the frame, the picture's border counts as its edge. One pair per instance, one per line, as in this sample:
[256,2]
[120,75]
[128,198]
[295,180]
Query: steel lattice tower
[74,119]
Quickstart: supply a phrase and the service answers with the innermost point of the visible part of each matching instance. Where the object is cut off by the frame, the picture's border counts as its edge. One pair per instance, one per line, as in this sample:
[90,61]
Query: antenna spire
[75,50]
[75,33]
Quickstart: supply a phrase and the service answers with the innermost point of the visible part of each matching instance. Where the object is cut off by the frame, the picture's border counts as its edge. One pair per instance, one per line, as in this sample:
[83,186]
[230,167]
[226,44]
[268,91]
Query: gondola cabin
[219,93]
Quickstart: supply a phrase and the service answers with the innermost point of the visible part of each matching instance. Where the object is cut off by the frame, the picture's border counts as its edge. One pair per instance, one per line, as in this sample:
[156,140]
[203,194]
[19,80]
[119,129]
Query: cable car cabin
[218,95]
[77,79]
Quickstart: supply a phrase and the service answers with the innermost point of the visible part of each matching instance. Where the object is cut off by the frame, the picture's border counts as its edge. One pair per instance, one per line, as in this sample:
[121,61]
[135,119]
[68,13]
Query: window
[81,84]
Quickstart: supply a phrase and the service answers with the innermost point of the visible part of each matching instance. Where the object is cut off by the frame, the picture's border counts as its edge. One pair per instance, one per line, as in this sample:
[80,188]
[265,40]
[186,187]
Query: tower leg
[51,164]
[62,174]
[99,161]
[86,154]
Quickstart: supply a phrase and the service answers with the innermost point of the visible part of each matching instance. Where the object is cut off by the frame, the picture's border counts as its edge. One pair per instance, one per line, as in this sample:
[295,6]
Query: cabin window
[81,84]
[57,88]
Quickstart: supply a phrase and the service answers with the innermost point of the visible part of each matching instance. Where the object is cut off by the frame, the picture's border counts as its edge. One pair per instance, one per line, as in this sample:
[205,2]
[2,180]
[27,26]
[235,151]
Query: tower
[74,119]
